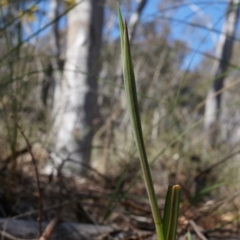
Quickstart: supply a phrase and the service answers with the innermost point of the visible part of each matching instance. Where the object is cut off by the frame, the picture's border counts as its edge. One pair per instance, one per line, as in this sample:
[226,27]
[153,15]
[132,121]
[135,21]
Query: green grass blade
[121,27]
[189,236]
[171,210]
[131,94]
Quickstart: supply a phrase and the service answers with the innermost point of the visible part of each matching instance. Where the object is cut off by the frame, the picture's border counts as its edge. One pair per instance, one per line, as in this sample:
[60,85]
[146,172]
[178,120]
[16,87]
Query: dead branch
[49,229]
[22,229]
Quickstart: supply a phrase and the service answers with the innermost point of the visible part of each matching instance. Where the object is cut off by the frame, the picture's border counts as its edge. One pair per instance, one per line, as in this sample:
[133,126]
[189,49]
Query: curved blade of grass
[171,209]
[121,27]
[131,93]
[207,190]
[189,236]
[114,197]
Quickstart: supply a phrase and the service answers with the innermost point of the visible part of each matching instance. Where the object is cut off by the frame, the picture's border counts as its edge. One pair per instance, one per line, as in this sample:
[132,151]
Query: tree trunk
[53,73]
[223,52]
[75,100]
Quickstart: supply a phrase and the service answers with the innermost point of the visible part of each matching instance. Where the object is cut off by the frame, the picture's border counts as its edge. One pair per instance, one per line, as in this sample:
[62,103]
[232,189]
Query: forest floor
[97,200]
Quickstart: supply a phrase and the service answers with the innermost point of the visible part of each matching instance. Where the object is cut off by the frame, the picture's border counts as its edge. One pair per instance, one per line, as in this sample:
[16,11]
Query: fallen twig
[49,229]
[195,228]
[22,229]
[11,237]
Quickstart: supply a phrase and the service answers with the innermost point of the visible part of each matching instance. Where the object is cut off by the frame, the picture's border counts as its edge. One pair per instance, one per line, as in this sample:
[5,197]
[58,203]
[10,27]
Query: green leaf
[121,27]
[170,218]
[189,236]
[131,94]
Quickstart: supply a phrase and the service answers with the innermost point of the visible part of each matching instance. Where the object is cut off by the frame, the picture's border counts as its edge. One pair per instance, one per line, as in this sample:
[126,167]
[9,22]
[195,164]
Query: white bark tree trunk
[223,52]
[75,101]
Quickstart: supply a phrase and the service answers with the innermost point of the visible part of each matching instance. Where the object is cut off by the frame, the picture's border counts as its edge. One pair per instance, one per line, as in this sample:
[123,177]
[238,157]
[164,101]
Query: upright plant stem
[131,93]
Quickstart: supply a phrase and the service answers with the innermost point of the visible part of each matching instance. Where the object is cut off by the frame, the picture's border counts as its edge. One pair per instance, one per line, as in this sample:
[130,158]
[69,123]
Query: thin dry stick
[214,165]
[195,228]
[49,229]
[230,85]
[37,178]
[11,237]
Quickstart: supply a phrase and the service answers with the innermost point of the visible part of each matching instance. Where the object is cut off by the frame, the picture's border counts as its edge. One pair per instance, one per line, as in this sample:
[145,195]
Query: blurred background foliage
[171,97]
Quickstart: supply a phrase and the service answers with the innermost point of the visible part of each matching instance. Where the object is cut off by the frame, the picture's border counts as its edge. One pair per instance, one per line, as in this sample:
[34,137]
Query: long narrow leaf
[121,26]
[171,210]
[131,94]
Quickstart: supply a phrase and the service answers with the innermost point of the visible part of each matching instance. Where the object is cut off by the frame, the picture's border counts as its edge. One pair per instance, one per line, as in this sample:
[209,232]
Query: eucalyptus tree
[75,109]
[213,107]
